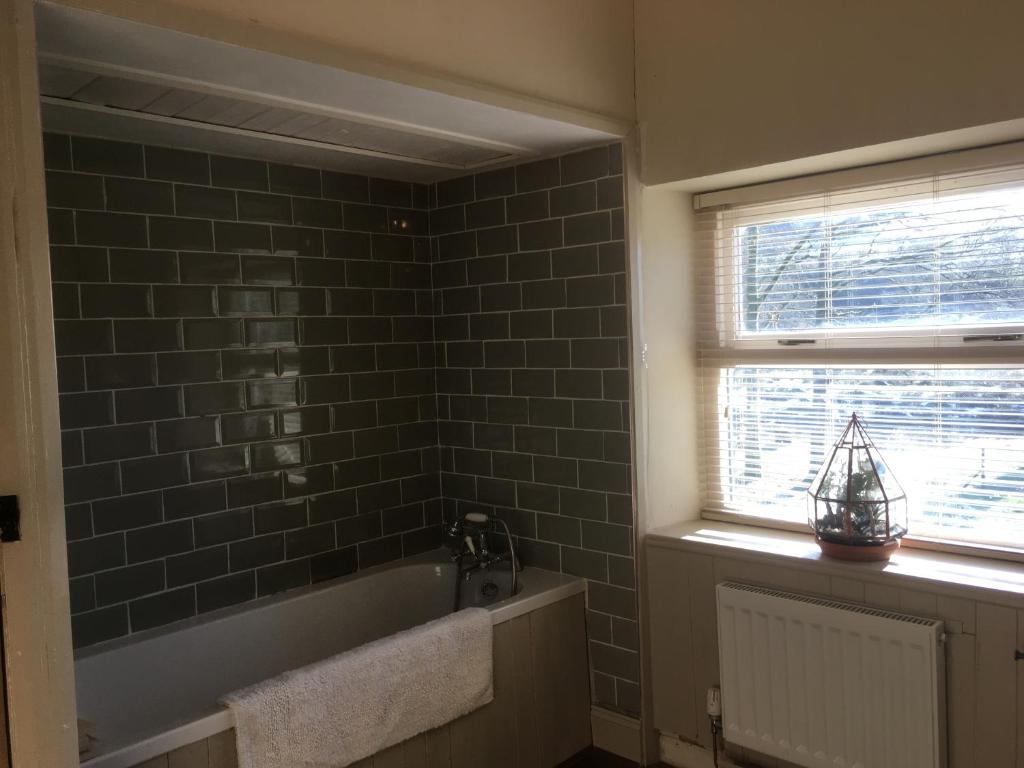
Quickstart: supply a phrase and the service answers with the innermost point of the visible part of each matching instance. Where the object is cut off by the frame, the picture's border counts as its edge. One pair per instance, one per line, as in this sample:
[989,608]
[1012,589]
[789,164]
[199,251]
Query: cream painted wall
[735,84]
[574,53]
[666,380]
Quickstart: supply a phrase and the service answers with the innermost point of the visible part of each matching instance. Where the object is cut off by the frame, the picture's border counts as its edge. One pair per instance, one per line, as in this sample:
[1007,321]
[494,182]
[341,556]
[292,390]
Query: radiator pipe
[714,709]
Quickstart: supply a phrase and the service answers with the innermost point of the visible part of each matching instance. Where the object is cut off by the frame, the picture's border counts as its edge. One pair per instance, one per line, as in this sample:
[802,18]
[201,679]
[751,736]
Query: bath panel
[146,696]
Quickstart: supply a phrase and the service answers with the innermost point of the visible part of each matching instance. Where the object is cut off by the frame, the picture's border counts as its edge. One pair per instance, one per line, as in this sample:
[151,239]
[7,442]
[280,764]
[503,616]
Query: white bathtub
[156,691]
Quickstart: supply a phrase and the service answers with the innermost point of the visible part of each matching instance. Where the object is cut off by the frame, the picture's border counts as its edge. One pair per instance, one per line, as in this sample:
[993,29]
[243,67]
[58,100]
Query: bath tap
[482,552]
[462,531]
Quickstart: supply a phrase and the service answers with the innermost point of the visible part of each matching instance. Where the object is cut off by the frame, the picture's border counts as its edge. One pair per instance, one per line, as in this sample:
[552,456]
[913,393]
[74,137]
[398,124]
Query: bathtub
[156,691]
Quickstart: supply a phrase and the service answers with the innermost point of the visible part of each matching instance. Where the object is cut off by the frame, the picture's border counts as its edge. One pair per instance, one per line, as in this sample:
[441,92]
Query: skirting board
[616,733]
[682,754]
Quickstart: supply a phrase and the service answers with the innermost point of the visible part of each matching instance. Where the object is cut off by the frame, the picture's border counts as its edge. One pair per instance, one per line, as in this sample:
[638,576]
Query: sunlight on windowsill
[783,546]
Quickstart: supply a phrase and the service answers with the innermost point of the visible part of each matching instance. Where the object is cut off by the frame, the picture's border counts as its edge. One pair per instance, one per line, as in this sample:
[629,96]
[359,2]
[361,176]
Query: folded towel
[350,706]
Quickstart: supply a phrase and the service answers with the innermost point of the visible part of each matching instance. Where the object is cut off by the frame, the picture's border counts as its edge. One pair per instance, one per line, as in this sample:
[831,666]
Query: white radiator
[822,683]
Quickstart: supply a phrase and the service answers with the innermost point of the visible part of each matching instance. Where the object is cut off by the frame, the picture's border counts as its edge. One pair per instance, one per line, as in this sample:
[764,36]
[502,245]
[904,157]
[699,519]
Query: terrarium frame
[857,508]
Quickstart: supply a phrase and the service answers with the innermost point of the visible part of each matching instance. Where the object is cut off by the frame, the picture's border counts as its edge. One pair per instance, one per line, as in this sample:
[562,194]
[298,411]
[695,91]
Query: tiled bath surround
[252,364]
[246,372]
[533,379]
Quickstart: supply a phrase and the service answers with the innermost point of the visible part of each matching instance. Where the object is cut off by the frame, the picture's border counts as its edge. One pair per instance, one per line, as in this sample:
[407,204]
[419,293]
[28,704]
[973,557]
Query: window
[901,302]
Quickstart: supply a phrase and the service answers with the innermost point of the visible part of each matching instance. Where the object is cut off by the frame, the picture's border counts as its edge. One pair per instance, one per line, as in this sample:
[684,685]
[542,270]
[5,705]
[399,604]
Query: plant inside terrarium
[862,517]
[854,499]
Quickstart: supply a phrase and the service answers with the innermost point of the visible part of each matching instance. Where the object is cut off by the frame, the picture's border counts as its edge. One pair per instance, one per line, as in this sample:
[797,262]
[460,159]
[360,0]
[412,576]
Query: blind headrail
[980,158]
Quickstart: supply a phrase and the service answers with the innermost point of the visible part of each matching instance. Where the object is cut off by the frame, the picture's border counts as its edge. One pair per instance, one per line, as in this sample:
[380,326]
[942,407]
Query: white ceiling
[106,76]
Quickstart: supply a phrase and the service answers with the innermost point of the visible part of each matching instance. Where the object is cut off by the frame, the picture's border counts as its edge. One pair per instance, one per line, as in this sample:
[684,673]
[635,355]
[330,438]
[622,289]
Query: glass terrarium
[857,508]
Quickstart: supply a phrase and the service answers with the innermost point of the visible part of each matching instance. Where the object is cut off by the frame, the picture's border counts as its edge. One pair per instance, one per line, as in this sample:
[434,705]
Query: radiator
[817,682]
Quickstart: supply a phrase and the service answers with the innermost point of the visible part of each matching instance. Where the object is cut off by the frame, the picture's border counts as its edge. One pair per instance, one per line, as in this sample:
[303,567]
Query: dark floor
[597,758]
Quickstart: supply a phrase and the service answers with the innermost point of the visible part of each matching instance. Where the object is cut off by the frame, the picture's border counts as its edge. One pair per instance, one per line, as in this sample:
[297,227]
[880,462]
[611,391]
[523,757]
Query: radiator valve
[714,707]
[714,702]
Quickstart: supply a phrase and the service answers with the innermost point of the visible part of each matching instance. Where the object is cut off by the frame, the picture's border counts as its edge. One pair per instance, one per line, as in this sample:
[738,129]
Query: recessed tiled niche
[272,375]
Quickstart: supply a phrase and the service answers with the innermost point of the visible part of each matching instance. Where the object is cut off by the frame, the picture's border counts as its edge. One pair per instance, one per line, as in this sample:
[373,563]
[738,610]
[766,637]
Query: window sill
[988,579]
[911,541]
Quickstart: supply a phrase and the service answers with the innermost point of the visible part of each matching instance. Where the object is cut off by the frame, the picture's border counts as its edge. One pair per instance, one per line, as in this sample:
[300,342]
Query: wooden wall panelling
[959,617]
[704,625]
[984,686]
[729,569]
[560,669]
[960,699]
[919,603]
[392,757]
[222,750]
[958,614]
[670,592]
[847,589]
[439,748]
[190,755]
[524,687]
[414,752]
[775,576]
[995,735]
[1020,691]
[501,733]
[882,596]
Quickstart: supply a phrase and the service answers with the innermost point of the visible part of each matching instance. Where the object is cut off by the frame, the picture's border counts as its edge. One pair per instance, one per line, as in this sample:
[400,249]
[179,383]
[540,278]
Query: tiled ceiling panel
[62,82]
[111,77]
[119,92]
[139,96]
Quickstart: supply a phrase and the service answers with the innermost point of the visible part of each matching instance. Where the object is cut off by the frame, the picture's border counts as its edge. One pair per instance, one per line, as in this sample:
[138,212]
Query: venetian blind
[902,301]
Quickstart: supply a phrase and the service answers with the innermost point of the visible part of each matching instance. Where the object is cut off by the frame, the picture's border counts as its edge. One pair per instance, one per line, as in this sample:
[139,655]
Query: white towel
[350,706]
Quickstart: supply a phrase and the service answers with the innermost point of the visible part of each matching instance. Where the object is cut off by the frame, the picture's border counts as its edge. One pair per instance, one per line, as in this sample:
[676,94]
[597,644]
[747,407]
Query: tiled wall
[252,364]
[533,379]
[246,374]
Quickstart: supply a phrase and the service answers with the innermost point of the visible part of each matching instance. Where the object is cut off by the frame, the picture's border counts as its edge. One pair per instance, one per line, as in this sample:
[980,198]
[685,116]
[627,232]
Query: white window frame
[889,336]
[858,347]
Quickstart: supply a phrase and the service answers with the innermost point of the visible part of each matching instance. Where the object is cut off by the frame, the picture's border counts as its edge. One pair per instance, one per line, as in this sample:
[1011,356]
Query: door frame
[39,660]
